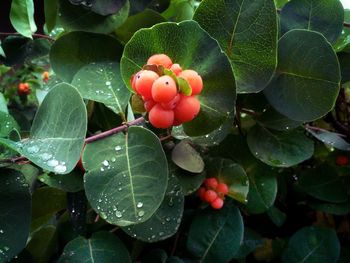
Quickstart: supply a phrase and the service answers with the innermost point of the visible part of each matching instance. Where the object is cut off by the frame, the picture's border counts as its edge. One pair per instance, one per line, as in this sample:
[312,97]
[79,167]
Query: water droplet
[118,148]
[141,213]
[113,159]
[139,205]
[108,83]
[118,214]
[1,231]
[105,163]
[60,168]
[45,156]
[33,149]
[52,163]
[102,169]
[167,219]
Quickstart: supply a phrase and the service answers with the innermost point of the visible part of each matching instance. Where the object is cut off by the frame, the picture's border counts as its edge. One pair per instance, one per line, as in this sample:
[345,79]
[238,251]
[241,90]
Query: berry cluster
[158,85]
[213,192]
[23,89]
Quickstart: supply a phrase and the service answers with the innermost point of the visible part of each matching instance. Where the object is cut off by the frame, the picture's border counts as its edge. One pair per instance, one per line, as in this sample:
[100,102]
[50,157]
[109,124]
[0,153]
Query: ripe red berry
[187,108]
[342,160]
[193,79]
[45,76]
[149,105]
[222,188]
[23,89]
[160,60]
[176,68]
[161,118]
[164,89]
[171,104]
[211,182]
[144,81]
[132,82]
[201,192]
[210,195]
[218,203]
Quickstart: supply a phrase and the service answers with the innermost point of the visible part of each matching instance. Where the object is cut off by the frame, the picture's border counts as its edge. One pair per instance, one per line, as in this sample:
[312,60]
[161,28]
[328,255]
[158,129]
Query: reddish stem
[34,35]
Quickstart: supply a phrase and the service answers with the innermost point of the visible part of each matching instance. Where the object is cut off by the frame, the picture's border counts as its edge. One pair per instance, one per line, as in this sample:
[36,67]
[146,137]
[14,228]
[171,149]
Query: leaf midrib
[129,172]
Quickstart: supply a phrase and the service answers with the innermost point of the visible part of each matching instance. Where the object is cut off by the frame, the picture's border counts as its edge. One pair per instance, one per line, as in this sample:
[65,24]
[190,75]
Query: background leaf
[187,158]
[331,139]
[22,17]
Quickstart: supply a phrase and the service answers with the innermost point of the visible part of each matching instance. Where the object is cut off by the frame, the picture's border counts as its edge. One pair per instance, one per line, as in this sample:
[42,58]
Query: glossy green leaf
[101,247]
[3,103]
[343,41]
[15,211]
[76,49]
[312,245]
[51,13]
[247,33]
[215,236]
[22,17]
[58,131]
[190,46]
[180,10]
[281,149]
[126,176]
[232,174]
[78,18]
[184,87]
[324,16]
[102,82]
[262,189]
[272,119]
[7,124]
[187,158]
[331,139]
[323,183]
[306,83]
[72,182]
[166,220]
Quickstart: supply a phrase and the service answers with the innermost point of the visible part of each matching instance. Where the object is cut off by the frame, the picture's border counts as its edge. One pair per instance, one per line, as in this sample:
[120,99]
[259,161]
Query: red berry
[132,82]
[201,192]
[222,188]
[45,76]
[210,195]
[218,203]
[171,104]
[193,79]
[176,68]
[144,81]
[177,123]
[211,182]
[164,89]
[187,108]
[160,60]
[161,118]
[342,160]
[148,105]
[23,89]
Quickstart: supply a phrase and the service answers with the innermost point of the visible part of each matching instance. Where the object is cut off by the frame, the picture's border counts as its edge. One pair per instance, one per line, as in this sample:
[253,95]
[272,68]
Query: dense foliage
[85,177]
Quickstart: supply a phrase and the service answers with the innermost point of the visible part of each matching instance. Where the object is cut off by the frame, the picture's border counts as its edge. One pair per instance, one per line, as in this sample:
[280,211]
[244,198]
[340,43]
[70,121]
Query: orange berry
[23,89]
[210,195]
[143,83]
[171,104]
[342,160]
[193,79]
[164,89]
[148,105]
[187,108]
[218,203]
[161,118]
[176,68]
[211,182]
[222,188]
[160,60]
[45,76]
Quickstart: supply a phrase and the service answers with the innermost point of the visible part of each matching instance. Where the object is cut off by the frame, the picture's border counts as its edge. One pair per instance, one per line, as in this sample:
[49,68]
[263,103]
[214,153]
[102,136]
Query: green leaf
[272,119]
[251,241]
[312,245]
[331,139]
[180,10]
[3,104]
[184,87]
[51,13]
[107,7]
[166,220]
[55,201]
[339,209]
[101,247]
[276,216]
[7,124]
[102,82]
[78,18]
[187,158]
[76,49]
[280,149]
[343,41]
[262,189]
[306,83]
[247,33]
[232,174]
[126,176]
[72,182]
[15,210]
[22,17]
[323,183]
[58,131]
[344,66]
[215,236]
[324,16]
[190,46]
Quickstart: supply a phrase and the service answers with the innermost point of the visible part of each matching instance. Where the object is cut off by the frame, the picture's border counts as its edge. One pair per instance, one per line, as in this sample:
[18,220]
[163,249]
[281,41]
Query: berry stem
[34,35]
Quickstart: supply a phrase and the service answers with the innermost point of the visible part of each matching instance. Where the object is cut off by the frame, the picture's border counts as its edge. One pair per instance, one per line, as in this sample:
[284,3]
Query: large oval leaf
[22,17]
[58,131]
[126,176]
[101,247]
[324,16]
[281,149]
[331,139]
[313,245]
[215,236]
[15,212]
[166,220]
[76,49]
[307,79]
[247,33]
[190,46]
[102,82]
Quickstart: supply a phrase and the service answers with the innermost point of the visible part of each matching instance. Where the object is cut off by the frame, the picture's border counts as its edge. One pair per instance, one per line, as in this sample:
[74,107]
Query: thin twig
[34,35]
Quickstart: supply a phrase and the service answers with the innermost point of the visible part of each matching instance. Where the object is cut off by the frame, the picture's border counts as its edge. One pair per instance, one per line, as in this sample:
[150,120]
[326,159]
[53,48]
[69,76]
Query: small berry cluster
[342,160]
[23,89]
[161,94]
[213,192]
